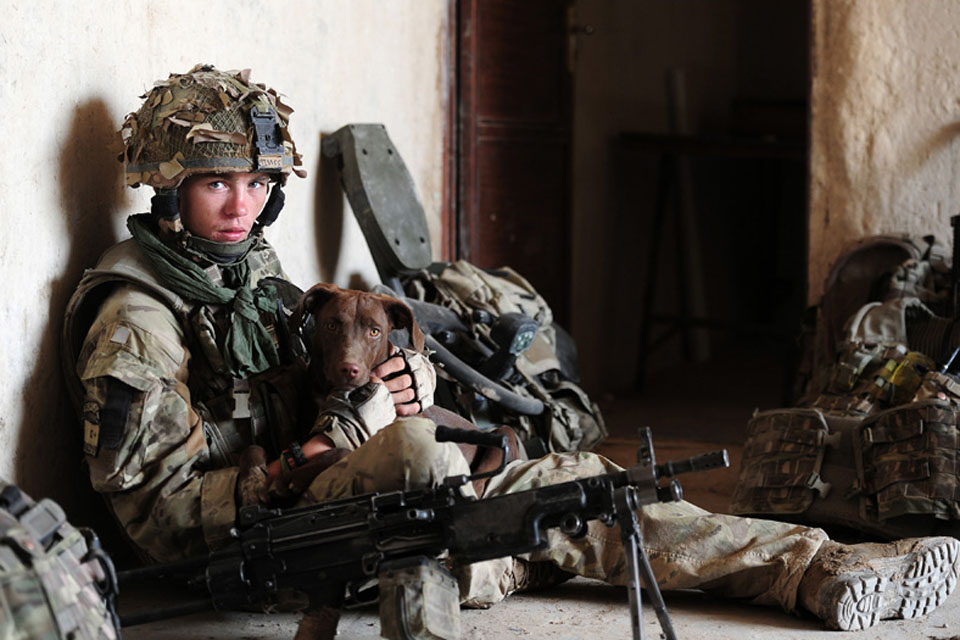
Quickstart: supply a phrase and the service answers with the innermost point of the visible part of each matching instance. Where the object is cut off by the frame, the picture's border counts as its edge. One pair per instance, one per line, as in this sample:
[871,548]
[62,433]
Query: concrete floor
[685,422]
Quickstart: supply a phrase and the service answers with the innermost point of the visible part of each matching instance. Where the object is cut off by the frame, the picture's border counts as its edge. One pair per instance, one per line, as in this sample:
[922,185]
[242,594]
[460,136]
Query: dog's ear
[401,316]
[311,302]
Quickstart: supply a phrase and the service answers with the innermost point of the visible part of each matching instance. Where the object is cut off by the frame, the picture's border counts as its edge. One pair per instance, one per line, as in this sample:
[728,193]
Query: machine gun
[327,550]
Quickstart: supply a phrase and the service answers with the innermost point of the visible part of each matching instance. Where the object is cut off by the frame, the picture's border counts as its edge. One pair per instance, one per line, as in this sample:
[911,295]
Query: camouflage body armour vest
[236,412]
[55,581]
[874,443]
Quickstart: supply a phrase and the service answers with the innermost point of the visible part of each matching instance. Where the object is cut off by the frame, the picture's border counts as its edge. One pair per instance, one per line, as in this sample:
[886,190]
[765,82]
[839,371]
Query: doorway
[541,182]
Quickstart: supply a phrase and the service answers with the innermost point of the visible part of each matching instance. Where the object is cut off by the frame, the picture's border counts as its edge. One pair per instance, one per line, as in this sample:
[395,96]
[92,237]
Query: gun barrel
[703,462]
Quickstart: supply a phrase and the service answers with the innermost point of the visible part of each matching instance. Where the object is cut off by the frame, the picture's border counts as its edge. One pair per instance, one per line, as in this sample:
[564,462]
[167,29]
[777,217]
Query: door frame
[449,212]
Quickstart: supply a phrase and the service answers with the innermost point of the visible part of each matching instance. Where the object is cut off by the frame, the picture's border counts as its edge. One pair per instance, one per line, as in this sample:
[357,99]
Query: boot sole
[909,586]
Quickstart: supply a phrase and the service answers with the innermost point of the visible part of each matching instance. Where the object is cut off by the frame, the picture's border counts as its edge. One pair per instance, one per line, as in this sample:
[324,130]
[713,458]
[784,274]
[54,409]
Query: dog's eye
[374,332]
[330,326]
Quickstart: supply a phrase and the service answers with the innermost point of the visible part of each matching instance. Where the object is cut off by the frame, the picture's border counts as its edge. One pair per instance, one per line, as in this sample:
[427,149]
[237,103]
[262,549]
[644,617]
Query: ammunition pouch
[782,462]
[893,474]
[909,460]
[419,600]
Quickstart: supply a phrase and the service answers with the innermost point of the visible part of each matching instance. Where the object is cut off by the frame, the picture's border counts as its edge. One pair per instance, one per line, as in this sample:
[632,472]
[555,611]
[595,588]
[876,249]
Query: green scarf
[248,346]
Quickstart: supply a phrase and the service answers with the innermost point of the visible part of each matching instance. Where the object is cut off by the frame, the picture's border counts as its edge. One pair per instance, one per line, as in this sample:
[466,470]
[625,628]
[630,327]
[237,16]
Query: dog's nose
[350,370]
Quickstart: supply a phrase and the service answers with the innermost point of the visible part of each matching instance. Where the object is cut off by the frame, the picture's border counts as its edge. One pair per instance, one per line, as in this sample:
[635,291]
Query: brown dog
[351,339]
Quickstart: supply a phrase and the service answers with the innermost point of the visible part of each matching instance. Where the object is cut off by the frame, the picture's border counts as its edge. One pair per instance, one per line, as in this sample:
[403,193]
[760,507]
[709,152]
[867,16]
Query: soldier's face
[222,207]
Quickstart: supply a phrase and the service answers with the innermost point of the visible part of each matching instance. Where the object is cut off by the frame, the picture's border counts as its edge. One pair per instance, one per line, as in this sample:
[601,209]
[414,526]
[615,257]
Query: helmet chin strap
[273,206]
[164,205]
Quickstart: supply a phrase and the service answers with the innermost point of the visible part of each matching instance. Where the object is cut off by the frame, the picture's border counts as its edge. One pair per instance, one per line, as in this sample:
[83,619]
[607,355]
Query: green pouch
[782,459]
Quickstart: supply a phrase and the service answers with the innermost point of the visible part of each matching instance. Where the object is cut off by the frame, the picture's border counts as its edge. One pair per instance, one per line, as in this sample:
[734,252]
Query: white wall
[885,107]
[70,71]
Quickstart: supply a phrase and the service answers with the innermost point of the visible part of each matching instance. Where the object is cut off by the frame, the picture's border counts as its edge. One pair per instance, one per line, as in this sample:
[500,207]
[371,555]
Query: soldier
[178,365]
[174,337]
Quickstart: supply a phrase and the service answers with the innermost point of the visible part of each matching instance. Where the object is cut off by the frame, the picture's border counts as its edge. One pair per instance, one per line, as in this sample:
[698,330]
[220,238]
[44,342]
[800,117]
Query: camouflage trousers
[688,547]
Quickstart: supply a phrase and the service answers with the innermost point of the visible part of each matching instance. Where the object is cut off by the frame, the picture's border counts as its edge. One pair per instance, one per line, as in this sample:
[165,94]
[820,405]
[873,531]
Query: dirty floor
[575,610]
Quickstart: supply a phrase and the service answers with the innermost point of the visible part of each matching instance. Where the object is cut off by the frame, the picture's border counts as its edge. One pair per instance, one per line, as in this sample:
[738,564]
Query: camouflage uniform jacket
[162,420]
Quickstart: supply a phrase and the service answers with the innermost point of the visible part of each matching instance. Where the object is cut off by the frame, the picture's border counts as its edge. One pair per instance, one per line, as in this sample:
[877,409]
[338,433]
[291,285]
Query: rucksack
[869,272]
[545,371]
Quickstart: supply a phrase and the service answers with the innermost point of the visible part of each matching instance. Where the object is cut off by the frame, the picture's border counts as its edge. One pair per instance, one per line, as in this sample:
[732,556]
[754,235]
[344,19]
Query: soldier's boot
[853,587]
[532,576]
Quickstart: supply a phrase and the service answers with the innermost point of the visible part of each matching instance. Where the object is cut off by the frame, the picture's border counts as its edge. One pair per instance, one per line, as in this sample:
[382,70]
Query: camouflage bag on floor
[546,371]
[872,445]
[56,583]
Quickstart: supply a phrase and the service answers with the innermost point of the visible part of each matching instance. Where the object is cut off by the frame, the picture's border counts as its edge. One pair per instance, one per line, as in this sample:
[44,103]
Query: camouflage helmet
[207,121]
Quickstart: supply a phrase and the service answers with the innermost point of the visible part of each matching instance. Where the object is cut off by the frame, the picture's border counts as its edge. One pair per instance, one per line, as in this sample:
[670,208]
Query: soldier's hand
[252,479]
[410,379]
